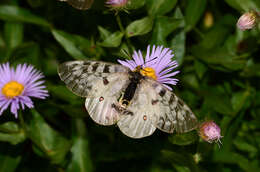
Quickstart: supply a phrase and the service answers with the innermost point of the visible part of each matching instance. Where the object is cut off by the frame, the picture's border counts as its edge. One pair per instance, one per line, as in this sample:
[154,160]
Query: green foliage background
[219,80]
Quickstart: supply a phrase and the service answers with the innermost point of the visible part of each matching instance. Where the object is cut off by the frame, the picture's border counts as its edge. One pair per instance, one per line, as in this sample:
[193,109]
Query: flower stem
[20,116]
[199,32]
[123,30]
[120,23]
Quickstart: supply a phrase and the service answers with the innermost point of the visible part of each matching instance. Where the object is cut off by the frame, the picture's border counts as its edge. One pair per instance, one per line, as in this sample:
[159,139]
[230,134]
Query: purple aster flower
[18,85]
[157,64]
[210,132]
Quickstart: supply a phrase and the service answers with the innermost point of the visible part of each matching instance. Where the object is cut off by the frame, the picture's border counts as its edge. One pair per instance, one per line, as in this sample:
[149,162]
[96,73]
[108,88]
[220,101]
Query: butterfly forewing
[80,76]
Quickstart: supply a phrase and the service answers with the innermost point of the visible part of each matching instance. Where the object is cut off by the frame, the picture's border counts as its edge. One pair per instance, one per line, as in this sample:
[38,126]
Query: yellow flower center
[12,89]
[148,71]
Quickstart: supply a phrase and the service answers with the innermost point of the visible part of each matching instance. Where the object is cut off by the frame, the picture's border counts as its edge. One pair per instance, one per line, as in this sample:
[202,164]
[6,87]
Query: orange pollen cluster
[148,71]
[12,89]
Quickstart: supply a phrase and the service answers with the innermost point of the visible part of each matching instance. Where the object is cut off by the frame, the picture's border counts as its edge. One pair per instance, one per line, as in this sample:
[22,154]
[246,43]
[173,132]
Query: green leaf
[245,5]
[49,141]
[2,42]
[13,138]
[17,14]
[251,69]
[244,146]
[163,27]
[183,139]
[27,52]
[192,81]
[240,100]
[9,127]
[10,157]
[13,34]
[113,40]
[180,158]
[177,44]
[69,44]
[193,12]
[11,132]
[159,169]
[62,92]
[219,59]
[234,158]
[181,168]
[219,101]
[139,27]
[219,33]
[104,33]
[135,4]
[81,160]
[35,3]
[200,68]
[160,7]
[74,111]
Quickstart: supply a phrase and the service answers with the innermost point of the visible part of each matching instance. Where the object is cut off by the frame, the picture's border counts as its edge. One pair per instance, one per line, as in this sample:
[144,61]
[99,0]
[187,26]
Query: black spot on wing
[161,122]
[105,81]
[94,67]
[162,92]
[127,112]
[180,102]
[172,99]
[106,68]
[86,63]
[89,87]
[176,109]
[154,102]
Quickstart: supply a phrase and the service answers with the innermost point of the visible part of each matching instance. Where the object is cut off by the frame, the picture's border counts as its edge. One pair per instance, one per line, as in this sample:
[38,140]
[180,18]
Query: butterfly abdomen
[135,78]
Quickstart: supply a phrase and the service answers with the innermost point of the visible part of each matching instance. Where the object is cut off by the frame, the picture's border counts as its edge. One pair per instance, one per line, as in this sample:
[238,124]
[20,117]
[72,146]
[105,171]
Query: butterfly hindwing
[174,114]
[80,76]
[141,119]
[154,106]
[104,96]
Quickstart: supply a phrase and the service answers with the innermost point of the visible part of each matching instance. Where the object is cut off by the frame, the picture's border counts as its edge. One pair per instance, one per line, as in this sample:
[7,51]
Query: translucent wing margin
[80,76]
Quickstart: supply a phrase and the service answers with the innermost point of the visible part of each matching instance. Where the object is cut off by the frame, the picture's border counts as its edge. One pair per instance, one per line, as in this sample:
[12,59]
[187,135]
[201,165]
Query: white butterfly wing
[81,76]
[174,114]
[142,121]
[101,100]
[154,106]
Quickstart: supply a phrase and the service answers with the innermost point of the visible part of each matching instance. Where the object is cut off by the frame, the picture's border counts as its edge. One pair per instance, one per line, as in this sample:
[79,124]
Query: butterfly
[80,4]
[116,95]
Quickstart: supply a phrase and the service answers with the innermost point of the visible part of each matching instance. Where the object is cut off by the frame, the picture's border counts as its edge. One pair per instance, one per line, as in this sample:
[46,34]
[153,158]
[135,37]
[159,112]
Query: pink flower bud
[210,132]
[247,21]
[117,4]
